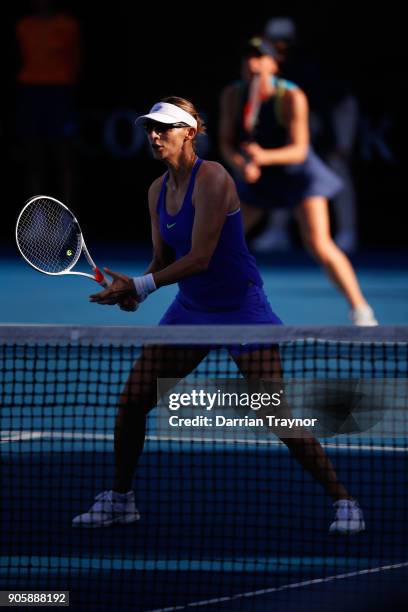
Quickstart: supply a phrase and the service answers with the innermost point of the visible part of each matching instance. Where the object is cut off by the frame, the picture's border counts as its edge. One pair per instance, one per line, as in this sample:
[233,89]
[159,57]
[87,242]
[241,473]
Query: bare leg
[138,397]
[344,204]
[313,219]
[307,450]
[276,235]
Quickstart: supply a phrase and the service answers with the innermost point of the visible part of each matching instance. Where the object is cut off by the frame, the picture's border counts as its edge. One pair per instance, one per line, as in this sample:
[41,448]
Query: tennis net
[235,514]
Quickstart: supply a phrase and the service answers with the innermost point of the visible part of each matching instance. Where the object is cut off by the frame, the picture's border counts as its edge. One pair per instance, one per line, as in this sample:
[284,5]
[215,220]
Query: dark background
[135,53]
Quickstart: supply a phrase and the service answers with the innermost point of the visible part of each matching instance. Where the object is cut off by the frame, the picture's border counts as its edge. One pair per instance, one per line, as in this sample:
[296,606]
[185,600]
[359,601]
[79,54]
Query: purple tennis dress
[230,291]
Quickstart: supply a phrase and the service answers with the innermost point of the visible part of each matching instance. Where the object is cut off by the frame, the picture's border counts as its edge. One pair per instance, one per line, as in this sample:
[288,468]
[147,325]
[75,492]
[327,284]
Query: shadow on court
[245,527]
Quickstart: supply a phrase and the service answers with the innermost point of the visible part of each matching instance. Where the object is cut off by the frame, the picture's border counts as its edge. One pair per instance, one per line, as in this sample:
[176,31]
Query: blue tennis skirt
[287,186]
[255,310]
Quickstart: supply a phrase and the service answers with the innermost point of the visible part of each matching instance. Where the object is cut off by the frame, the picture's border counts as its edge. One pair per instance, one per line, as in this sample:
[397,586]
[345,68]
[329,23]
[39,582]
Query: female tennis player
[198,242]
[264,138]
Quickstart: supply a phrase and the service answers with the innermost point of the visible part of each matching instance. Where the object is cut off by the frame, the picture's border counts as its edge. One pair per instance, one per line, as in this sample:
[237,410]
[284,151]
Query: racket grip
[99,277]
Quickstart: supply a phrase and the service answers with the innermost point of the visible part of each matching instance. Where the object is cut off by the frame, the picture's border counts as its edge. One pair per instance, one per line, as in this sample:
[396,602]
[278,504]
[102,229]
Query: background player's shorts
[287,186]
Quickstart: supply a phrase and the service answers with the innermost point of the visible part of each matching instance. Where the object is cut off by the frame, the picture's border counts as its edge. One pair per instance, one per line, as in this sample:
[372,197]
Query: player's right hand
[121,288]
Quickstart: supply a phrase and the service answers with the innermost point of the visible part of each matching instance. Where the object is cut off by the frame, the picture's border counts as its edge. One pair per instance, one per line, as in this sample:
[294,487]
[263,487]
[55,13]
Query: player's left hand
[257,154]
[119,291]
[251,173]
[128,304]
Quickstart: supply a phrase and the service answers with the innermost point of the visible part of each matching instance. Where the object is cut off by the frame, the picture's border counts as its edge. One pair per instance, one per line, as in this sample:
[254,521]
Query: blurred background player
[49,48]
[333,126]
[264,137]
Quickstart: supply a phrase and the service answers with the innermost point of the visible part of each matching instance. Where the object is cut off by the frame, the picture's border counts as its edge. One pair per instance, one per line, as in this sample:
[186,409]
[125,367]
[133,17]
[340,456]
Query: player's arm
[295,113]
[213,192]
[229,152]
[163,255]
[244,166]
[122,290]
[214,188]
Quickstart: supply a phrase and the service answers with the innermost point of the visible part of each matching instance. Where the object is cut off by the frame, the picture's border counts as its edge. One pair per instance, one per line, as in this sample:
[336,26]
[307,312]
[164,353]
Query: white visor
[163,112]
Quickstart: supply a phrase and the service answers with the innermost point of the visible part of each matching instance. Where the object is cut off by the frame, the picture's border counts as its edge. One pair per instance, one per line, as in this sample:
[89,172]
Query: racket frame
[97,276]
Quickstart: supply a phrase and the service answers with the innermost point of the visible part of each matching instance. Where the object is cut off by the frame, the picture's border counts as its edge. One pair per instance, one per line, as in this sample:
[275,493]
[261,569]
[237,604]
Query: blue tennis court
[221,539]
[298,291]
[226,524]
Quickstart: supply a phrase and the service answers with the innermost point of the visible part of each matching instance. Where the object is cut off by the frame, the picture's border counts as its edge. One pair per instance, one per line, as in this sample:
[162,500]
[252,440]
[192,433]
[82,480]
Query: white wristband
[144,286]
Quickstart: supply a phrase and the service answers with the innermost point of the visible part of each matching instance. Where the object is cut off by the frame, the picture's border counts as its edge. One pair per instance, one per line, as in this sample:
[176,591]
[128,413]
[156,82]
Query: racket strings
[48,236]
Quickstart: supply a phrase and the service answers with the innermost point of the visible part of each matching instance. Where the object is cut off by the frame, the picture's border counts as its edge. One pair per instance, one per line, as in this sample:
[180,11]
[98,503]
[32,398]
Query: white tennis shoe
[109,508]
[114,508]
[349,517]
[364,316]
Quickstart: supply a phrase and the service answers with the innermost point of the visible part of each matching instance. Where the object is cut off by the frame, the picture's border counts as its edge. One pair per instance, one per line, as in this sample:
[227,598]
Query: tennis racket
[252,106]
[49,238]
